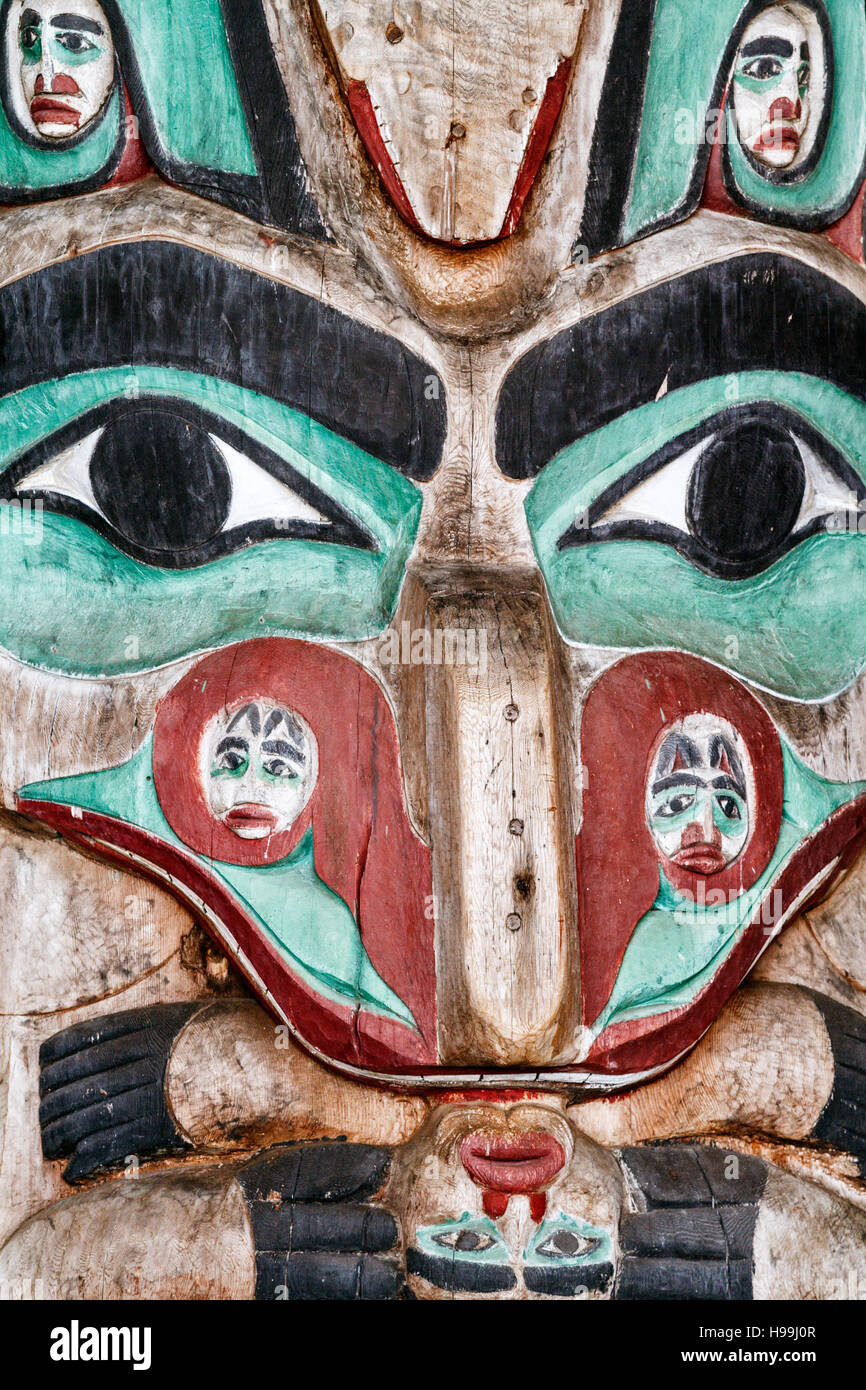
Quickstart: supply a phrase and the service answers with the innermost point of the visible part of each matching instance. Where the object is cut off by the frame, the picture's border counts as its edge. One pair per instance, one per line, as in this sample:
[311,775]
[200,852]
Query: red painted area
[364,844]
[538,1207]
[495,1204]
[538,144]
[847,233]
[134,163]
[512,1163]
[364,116]
[628,713]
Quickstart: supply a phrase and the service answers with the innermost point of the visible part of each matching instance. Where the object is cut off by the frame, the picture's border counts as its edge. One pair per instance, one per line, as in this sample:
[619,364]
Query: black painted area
[617,128]
[459,1276]
[314,1236]
[749,313]
[842,1122]
[329,1172]
[743,497]
[693,1237]
[165,488]
[102,1088]
[567,1280]
[336,1277]
[287,200]
[166,305]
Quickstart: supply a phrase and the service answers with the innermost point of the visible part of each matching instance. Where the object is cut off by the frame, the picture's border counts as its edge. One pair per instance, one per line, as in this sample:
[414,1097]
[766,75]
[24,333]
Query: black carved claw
[316,1234]
[102,1089]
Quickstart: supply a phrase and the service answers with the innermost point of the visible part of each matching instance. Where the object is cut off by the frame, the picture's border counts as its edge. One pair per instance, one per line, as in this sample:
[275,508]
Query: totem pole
[432,649]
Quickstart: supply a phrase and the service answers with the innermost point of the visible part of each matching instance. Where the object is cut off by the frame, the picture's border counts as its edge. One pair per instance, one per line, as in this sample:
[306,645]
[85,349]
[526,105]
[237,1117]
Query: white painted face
[699,795]
[259,766]
[778,82]
[61,64]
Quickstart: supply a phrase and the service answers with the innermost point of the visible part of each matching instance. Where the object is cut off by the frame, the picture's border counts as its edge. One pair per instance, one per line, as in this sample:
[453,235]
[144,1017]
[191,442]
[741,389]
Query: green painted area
[182,55]
[798,629]
[187,73]
[687,55]
[141,616]
[441,1240]
[680,944]
[311,926]
[600,1249]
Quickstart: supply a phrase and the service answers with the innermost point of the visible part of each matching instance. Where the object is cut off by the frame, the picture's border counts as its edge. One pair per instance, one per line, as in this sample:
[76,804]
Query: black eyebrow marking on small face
[285,750]
[686,780]
[78,23]
[227,745]
[29,20]
[804,52]
[772,46]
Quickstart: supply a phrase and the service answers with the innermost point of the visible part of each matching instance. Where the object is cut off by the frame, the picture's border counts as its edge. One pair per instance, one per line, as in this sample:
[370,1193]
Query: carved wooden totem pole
[433,625]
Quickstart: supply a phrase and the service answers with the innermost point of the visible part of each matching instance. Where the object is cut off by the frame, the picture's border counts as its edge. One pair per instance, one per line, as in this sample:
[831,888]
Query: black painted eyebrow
[77,22]
[29,19]
[779,48]
[285,750]
[678,779]
[164,304]
[753,313]
[227,744]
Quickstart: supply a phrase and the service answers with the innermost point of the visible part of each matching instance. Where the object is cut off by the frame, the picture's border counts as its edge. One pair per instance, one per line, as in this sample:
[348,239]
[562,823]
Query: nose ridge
[502,836]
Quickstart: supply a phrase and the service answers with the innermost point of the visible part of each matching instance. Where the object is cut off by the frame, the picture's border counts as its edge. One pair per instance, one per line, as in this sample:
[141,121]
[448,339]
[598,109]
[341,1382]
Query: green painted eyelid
[643,594]
[372,491]
[572,481]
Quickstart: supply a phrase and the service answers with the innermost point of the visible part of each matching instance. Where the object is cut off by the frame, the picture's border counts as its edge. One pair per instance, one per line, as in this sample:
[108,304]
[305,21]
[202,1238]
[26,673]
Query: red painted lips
[249,815]
[46,109]
[512,1163]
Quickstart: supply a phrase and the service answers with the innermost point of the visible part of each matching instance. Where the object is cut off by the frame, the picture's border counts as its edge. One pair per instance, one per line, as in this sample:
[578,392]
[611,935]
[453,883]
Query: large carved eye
[567,1244]
[733,495]
[174,486]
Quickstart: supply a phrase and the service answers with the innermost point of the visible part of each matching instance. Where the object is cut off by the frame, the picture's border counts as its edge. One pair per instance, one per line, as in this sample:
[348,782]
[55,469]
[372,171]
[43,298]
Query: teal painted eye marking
[277,770]
[72,48]
[565,1240]
[760,74]
[231,764]
[633,572]
[470,1238]
[677,808]
[30,39]
[304,585]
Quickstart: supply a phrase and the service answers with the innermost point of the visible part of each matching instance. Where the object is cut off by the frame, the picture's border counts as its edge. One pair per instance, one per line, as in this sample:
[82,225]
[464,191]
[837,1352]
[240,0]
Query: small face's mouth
[779,138]
[701,859]
[251,819]
[512,1163]
[45,110]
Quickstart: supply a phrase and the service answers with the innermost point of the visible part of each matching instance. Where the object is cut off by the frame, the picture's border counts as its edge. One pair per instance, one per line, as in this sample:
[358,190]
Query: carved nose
[502,836]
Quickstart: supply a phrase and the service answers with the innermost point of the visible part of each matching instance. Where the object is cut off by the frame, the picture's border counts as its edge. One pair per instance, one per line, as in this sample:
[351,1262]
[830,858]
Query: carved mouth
[701,859]
[250,816]
[45,110]
[512,1163]
[786,138]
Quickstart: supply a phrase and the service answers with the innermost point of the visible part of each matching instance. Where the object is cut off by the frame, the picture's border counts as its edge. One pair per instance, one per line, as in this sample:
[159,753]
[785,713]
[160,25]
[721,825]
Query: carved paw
[102,1089]
[316,1233]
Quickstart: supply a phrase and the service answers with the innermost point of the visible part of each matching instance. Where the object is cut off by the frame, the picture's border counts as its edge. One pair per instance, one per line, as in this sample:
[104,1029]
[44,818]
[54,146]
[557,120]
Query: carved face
[773,85]
[259,766]
[64,64]
[698,797]
[296,510]
[507,1202]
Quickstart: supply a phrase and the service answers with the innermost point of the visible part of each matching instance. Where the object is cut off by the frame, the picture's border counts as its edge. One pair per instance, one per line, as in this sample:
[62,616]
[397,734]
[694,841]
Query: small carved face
[259,769]
[697,799]
[508,1202]
[773,86]
[65,65]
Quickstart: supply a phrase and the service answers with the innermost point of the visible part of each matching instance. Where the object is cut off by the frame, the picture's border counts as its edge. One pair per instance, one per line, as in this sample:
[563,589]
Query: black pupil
[746,492]
[160,480]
